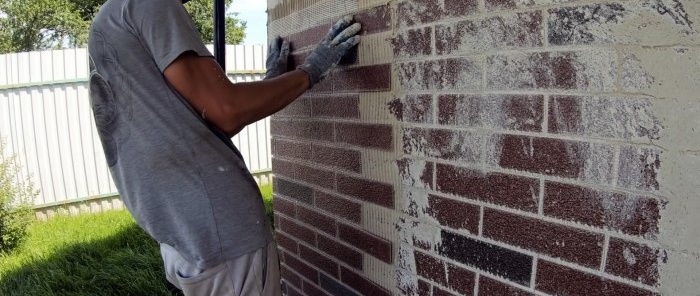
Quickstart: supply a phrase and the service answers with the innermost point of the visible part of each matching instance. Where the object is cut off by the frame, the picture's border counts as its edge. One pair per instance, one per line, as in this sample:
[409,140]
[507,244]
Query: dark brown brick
[289,276]
[569,244]
[590,70]
[440,292]
[634,261]
[304,173]
[430,268]
[559,280]
[459,8]
[361,284]
[460,279]
[454,214]
[318,220]
[375,192]
[379,136]
[303,129]
[341,252]
[296,230]
[300,108]
[424,288]
[506,112]
[295,292]
[554,157]
[583,24]
[411,13]
[322,262]
[462,146]
[413,108]
[305,270]
[287,242]
[501,189]
[499,32]
[335,288]
[311,290]
[639,167]
[378,247]
[293,190]
[362,79]
[490,287]
[348,159]
[500,4]
[374,20]
[284,206]
[284,148]
[339,206]
[506,263]
[633,215]
[446,74]
[412,43]
[308,37]
[416,173]
[335,106]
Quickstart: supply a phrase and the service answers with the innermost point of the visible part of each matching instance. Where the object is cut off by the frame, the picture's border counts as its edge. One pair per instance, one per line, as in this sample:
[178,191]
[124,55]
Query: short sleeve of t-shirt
[165,29]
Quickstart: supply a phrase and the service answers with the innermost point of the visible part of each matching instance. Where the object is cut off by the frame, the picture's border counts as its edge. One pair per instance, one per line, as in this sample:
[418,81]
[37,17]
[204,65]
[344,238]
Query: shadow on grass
[127,263]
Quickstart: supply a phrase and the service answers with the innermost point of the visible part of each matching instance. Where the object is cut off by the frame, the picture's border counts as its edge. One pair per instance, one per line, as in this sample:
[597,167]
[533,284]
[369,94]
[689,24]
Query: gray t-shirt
[183,180]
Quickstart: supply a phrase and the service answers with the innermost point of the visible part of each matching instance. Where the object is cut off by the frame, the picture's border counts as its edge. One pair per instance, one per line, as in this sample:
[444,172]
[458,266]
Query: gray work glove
[340,39]
[277,57]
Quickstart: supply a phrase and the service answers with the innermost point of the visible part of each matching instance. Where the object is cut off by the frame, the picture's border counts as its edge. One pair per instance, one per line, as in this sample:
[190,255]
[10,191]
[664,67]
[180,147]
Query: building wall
[493,147]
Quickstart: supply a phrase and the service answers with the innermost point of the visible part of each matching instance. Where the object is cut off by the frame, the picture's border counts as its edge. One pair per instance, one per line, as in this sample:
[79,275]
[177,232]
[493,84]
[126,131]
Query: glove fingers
[284,50]
[347,34]
[338,27]
[274,48]
[348,44]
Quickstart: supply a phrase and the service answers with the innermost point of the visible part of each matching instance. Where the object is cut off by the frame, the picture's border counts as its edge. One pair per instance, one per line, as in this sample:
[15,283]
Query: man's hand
[277,57]
[340,39]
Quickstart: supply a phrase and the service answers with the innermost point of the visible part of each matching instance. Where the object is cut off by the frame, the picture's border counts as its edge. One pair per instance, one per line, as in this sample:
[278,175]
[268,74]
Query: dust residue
[629,256]
[598,164]
[639,167]
[673,9]
[633,75]
[415,173]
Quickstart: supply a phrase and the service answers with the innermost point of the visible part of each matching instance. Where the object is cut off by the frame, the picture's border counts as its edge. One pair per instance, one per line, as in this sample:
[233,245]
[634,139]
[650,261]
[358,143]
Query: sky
[253,12]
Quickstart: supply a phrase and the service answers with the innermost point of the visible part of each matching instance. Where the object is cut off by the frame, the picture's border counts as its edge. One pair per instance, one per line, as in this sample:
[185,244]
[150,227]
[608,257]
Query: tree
[44,24]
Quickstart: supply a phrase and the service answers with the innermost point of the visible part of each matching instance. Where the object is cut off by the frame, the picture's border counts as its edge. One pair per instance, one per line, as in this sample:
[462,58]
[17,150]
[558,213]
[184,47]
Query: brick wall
[493,147]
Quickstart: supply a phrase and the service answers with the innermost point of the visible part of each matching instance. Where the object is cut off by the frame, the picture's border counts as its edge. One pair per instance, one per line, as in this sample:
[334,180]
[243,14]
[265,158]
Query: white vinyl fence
[47,124]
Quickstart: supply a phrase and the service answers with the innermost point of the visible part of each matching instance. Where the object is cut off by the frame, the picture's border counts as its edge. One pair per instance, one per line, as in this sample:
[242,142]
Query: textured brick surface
[464,146]
[334,287]
[339,206]
[302,129]
[379,136]
[375,192]
[489,286]
[430,268]
[335,106]
[287,242]
[461,280]
[297,230]
[311,290]
[289,276]
[446,74]
[284,148]
[454,214]
[294,190]
[506,112]
[634,261]
[413,43]
[321,221]
[304,173]
[413,108]
[559,280]
[639,168]
[324,263]
[371,244]
[361,284]
[569,244]
[348,159]
[341,252]
[305,270]
[285,206]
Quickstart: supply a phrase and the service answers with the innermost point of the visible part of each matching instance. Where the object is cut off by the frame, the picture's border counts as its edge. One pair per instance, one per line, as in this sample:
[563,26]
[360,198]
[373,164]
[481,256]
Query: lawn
[92,254]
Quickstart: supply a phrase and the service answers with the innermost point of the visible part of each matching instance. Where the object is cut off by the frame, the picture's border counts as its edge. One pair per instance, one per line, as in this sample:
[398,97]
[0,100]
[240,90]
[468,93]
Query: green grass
[92,254]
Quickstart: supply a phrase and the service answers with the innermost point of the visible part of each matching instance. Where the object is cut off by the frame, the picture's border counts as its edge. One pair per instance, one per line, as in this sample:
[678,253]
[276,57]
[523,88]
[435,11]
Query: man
[165,112]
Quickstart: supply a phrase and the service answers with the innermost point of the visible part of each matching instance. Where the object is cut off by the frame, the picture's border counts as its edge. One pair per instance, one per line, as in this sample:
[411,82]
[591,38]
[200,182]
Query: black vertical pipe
[220,33]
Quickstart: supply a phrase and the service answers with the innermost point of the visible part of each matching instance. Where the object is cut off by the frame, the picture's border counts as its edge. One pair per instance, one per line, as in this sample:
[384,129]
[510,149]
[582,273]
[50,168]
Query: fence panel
[47,124]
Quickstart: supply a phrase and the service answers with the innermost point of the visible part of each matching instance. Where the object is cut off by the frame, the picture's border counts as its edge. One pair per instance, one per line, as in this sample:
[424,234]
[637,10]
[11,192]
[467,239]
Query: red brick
[439,292]
[591,70]
[339,206]
[639,167]
[295,229]
[460,279]
[335,106]
[284,148]
[347,159]
[305,270]
[559,280]
[430,268]
[412,43]
[501,189]
[295,292]
[633,215]
[293,190]
[454,214]
[311,290]
[489,287]
[315,258]
[462,146]
[300,108]
[289,276]
[308,37]
[318,220]
[370,191]
[417,12]
[499,32]
[362,79]
[287,242]
[304,173]
[634,261]
[459,8]
[413,108]
[446,74]
[378,136]
[345,254]
[554,157]
[284,206]
[361,284]
[374,20]
[303,129]
[424,288]
[334,287]
[505,112]
[378,247]
[554,240]
[603,117]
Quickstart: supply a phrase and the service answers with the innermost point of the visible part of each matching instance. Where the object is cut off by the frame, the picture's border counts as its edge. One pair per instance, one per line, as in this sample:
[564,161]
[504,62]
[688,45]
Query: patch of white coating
[598,164]
[629,256]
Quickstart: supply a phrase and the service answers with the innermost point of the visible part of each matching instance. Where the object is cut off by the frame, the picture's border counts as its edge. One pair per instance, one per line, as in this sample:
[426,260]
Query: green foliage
[27,25]
[15,210]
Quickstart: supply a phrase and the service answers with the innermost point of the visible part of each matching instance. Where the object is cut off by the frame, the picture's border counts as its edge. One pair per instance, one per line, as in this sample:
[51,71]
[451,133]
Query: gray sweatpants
[254,274]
